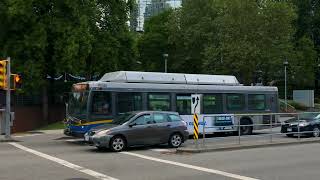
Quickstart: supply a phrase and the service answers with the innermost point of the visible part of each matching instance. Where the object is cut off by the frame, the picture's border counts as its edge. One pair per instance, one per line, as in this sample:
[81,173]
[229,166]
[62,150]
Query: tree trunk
[45,105]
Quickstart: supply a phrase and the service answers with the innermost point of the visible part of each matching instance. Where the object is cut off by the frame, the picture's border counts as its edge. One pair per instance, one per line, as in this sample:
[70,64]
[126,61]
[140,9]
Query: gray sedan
[140,128]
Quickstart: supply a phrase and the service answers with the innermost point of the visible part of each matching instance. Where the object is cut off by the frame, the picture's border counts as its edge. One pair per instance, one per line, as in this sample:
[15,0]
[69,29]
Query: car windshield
[77,105]
[309,116]
[122,118]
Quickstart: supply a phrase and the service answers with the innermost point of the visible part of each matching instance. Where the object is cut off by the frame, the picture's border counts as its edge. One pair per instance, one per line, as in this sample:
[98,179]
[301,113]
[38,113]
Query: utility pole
[8,102]
[165,62]
[285,63]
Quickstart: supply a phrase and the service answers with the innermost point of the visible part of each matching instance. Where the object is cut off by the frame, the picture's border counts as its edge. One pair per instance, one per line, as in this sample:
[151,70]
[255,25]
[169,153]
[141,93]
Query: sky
[142,6]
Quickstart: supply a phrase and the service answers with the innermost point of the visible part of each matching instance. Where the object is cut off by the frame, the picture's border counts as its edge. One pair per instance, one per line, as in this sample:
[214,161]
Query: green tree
[51,37]
[154,42]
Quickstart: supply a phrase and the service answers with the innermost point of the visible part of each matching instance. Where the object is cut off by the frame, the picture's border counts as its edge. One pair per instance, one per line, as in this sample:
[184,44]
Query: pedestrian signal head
[16,81]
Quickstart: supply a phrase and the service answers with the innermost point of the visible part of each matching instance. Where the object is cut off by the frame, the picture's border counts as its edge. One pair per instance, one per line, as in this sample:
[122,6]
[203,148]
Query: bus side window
[101,103]
[235,102]
[183,104]
[212,103]
[159,101]
[127,102]
[257,102]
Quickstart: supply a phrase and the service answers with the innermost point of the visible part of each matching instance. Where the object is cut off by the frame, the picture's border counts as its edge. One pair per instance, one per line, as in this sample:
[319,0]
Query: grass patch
[53,126]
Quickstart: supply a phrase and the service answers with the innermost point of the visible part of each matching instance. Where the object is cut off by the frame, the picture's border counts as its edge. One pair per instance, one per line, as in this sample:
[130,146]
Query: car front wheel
[117,144]
[316,132]
[175,140]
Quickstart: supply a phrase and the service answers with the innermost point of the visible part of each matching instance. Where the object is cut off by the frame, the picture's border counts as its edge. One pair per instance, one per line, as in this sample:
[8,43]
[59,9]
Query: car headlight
[102,133]
[303,124]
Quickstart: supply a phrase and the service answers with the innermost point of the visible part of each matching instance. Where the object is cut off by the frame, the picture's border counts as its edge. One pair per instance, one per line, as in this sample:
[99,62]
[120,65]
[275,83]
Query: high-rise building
[148,8]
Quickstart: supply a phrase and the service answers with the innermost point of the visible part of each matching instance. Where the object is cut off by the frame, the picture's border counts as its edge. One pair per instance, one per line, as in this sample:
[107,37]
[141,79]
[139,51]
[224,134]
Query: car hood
[104,127]
[295,123]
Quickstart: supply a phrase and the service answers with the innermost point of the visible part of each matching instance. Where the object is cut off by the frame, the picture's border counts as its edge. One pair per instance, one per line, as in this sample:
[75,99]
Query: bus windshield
[77,106]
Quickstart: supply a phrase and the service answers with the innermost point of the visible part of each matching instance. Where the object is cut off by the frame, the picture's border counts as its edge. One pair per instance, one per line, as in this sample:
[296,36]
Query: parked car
[308,124]
[140,128]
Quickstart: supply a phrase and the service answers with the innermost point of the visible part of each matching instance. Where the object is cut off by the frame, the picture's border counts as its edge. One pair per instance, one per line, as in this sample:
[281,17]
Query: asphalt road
[54,156]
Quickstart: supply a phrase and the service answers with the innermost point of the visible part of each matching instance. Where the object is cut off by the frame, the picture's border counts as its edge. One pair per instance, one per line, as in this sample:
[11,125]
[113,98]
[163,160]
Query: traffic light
[16,81]
[3,74]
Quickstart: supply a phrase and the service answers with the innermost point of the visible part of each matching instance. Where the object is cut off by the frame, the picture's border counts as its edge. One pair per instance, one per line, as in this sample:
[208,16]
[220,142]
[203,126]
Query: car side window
[143,120]
[173,118]
[160,118]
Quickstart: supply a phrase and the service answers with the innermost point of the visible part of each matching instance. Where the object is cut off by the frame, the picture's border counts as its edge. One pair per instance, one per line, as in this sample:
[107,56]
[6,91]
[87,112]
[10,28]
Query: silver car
[140,128]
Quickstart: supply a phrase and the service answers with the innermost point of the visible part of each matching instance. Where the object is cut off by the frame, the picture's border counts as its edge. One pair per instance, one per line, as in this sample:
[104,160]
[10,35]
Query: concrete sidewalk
[29,133]
[213,147]
[4,139]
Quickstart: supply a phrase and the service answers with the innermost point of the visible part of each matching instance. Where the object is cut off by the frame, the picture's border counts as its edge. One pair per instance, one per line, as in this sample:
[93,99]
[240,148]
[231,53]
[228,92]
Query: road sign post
[195,109]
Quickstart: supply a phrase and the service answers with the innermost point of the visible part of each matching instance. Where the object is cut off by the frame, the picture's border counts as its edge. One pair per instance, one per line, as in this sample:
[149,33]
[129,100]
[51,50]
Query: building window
[159,102]
[129,102]
[235,102]
[183,104]
[212,103]
[257,102]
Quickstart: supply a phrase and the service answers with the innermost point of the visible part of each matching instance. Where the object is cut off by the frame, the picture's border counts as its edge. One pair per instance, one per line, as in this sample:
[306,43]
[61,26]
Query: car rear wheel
[117,144]
[175,140]
[316,132]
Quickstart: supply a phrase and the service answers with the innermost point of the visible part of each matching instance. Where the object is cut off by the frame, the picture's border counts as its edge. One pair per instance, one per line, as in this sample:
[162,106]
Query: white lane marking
[163,150]
[74,140]
[65,163]
[28,135]
[213,171]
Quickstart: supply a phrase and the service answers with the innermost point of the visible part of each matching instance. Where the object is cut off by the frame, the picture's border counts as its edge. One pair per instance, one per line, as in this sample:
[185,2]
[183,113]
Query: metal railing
[295,121]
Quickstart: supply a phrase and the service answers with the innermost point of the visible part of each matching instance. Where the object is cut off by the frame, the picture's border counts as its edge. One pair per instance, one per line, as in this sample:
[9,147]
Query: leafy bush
[297,105]
[317,100]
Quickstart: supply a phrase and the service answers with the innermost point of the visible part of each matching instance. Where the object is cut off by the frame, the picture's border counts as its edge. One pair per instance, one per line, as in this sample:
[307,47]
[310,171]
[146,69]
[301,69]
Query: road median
[211,147]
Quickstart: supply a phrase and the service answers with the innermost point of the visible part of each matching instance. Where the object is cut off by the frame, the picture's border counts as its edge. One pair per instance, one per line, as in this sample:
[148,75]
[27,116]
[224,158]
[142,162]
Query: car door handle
[169,125]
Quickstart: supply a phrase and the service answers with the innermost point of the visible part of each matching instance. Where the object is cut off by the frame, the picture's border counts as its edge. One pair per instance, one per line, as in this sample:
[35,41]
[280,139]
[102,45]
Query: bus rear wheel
[248,128]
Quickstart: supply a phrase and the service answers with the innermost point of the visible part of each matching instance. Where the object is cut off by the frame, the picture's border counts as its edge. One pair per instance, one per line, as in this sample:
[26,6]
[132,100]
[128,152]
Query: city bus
[95,103]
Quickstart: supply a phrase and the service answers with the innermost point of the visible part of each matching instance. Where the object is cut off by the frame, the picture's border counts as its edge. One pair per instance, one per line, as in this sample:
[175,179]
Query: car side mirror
[133,124]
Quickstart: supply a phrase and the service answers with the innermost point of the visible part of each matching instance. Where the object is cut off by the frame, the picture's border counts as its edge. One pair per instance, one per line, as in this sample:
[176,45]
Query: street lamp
[285,63]
[165,62]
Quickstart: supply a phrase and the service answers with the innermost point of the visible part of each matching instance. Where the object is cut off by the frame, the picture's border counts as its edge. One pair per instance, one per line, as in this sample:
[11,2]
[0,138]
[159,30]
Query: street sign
[196,100]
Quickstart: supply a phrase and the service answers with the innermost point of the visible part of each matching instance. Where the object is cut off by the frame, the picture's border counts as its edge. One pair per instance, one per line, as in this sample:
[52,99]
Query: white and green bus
[96,102]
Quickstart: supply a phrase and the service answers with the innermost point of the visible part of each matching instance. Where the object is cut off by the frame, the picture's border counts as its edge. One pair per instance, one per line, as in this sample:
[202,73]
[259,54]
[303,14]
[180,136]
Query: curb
[239,147]
[4,140]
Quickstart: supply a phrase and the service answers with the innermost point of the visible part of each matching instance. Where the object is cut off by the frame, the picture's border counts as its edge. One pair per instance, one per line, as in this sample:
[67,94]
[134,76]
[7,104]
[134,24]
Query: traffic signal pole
[8,102]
